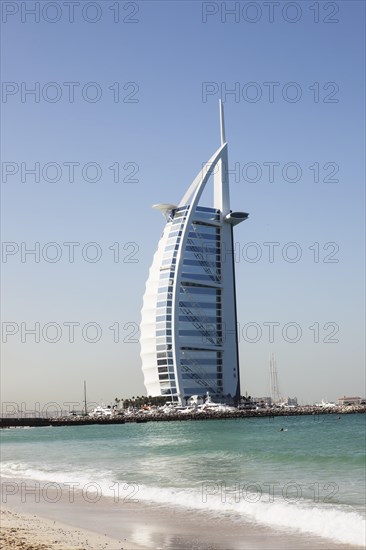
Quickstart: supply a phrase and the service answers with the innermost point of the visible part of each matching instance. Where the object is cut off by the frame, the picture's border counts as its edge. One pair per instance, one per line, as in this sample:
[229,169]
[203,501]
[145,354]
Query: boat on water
[101,411]
[210,405]
[197,405]
[326,404]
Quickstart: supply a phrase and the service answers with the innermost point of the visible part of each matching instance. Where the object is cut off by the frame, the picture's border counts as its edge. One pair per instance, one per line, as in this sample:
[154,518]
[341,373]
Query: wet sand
[33,523]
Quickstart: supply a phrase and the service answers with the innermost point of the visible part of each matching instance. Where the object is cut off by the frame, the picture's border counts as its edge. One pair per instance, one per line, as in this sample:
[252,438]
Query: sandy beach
[30,532]
[109,525]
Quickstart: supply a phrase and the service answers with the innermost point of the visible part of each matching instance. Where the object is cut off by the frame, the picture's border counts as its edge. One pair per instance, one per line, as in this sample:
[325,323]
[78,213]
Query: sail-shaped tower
[189,343]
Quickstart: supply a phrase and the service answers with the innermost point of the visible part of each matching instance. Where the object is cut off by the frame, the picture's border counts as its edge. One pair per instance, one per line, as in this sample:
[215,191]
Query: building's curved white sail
[188,328]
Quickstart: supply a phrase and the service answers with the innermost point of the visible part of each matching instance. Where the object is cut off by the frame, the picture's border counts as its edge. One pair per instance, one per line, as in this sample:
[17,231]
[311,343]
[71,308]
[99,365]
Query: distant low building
[292,401]
[349,400]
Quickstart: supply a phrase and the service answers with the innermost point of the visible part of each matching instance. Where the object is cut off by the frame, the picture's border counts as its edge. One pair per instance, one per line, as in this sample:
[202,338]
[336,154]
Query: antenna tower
[275,394]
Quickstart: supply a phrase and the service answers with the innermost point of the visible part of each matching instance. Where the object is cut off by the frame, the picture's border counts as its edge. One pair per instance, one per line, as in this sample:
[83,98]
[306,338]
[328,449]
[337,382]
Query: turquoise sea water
[310,477]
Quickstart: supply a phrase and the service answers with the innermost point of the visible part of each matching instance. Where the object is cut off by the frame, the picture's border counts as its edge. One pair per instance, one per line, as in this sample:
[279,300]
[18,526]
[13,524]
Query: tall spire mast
[221,179]
[85,406]
[222,123]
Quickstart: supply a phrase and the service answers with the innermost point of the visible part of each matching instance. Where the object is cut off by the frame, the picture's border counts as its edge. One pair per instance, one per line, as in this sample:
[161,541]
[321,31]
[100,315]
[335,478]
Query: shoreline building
[349,400]
[189,343]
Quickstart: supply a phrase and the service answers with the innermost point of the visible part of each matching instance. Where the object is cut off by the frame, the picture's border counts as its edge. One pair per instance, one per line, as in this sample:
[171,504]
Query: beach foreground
[108,525]
[30,532]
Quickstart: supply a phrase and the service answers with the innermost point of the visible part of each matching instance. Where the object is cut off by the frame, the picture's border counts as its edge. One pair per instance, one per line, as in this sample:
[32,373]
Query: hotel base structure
[189,343]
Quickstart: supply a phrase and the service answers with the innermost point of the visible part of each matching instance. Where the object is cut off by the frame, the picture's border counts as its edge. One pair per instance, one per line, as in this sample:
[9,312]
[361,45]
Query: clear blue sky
[167,133]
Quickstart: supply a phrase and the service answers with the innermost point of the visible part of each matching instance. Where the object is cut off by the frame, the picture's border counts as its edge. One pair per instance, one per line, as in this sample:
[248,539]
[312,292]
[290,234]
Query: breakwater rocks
[34,422]
[143,417]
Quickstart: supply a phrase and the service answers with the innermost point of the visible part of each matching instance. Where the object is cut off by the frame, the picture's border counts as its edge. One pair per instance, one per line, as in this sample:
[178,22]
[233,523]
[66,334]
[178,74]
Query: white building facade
[189,343]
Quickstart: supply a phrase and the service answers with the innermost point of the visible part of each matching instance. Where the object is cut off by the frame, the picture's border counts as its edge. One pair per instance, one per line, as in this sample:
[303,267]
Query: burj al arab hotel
[189,343]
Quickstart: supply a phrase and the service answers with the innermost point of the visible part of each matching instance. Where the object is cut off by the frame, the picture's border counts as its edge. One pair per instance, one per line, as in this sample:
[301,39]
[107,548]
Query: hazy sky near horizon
[123,114]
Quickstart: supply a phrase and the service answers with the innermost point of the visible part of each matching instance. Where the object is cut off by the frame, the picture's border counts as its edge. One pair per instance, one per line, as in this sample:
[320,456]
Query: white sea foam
[24,472]
[331,523]
[337,523]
